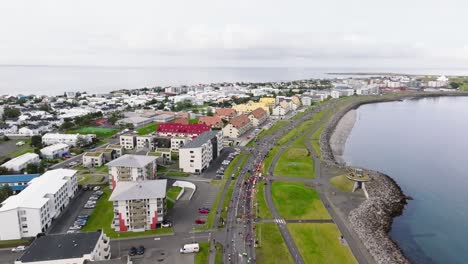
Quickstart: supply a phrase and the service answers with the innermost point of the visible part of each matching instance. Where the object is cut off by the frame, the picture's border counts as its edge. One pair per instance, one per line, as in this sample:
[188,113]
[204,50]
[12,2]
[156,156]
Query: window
[23,219]
[191,151]
[191,160]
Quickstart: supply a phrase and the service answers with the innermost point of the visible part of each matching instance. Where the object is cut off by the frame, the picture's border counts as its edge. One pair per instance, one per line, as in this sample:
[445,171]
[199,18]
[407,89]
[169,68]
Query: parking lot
[210,173]
[75,209]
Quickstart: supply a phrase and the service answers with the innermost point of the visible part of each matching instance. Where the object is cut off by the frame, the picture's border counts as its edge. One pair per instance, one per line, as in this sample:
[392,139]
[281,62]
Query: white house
[178,142]
[31,211]
[280,110]
[55,151]
[132,168]
[138,206]
[19,163]
[69,139]
[128,141]
[119,150]
[93,159]
[76,248]
[196,155]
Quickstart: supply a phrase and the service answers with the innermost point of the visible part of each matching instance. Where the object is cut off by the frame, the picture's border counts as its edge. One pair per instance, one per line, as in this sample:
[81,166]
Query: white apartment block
[197,155]
[19,163]
[138,206]
[55,151]
[119,150]
[145,142]
[128,141]
[132,168]
[79,248]
[69,139]
[178,142]
[31,211]
[93,159]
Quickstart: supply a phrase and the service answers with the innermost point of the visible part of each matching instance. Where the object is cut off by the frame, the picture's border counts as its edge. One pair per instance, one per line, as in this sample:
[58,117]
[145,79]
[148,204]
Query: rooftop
[240,121]
[132,190]
[128,160]
[182,128]
[60,246]
[92,154]
[21,159]
[259,112]
[17,178]
[55,147]
[33,196]
[200,140]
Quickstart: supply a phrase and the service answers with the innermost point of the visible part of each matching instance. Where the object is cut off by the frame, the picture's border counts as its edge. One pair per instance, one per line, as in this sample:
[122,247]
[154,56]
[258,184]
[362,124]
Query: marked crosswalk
[280,221]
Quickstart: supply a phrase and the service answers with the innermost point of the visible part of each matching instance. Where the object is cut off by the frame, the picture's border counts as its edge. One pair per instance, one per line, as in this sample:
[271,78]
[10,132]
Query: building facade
[31,211]
[138,206]
[55,151]
[237,126]
[132,168]
[197,155]
[21,162]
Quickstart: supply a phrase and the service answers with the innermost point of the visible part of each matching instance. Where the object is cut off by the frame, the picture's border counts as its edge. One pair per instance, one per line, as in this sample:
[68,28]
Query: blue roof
[17,178]
[18,187]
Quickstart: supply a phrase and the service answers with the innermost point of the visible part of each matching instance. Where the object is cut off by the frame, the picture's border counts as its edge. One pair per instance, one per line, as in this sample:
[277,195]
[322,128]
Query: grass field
[342,183]
[102,132]
[84,179]
[272,248]
[144,130]
[219,253]
[295,162]
[14,243]
[294,200]
[203,255]
[269,158]
[319,243]
[193,121]
[102,217]
[173,192]
[18,151]
[277,126]
[262,208]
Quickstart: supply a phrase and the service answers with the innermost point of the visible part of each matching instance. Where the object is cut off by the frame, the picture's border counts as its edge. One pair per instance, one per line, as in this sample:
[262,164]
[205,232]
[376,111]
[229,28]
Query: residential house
[225,113]
[258,116]
[69,139]
[55,151]
[21,162]
[211,121]
[237,126]
[93,159]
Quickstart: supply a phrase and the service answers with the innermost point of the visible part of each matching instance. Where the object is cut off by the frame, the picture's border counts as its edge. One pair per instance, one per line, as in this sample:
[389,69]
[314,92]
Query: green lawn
[14,243]
[84,179]
[18,151]
[269,158]
[319,243]
[294,200]
[219,253]
[102,132]
[193,121]
[173,173]
[227,199]
[102,217]
[295,162]
[203,255]
[173,192]
[262,208]
[277,126]
[271,249]
[144,130]
[342,183]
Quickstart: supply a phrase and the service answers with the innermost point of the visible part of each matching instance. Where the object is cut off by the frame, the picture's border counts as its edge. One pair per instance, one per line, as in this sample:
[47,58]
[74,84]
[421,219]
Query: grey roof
[201,139]
[121,260]
[132,190]
[60,246]
[128,160]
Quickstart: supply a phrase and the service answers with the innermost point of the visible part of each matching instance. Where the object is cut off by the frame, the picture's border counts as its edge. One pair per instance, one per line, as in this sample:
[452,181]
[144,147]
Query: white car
[20,143]
[18,249]
[96,188]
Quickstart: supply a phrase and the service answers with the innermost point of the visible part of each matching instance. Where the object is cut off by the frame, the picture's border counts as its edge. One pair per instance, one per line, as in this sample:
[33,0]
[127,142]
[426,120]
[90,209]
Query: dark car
[140,250]
[199,221]
[132,252]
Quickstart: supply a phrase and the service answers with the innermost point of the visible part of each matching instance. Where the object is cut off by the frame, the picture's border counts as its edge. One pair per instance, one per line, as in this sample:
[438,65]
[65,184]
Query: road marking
[157,238]
[280,221]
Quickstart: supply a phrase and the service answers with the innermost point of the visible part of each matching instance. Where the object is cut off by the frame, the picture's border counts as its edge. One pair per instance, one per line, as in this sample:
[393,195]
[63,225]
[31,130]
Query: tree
[32,168]
[5,192]
[209,112]
[5,171]
[67,124]
[36,141]
[5,138]
[11,112]
[454,85]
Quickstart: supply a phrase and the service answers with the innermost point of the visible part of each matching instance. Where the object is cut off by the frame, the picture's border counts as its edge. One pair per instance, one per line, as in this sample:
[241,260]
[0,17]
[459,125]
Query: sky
[217,33]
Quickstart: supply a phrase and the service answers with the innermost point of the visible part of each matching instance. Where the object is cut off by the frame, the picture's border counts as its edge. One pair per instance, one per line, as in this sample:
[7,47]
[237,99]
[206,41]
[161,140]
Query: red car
[199,221]
[203,211]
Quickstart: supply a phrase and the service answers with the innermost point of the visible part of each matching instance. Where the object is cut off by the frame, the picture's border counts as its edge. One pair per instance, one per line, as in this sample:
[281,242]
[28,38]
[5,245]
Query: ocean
[422,145]
[55,80]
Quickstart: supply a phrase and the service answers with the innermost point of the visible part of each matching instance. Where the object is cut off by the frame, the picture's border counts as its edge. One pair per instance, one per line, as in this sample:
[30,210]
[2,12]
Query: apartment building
[32,211]
[225,113]
[132,168]
[138,206]
[21,162]
[67,248]
[69,139]
[211,121]
[258,117]
[237,126]
[55,151]
[128,141]
[93,159]
[119,150]
[196,155]
[181,130]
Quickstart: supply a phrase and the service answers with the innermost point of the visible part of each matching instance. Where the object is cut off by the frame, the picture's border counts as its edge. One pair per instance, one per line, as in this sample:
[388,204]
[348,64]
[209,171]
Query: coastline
[373,218]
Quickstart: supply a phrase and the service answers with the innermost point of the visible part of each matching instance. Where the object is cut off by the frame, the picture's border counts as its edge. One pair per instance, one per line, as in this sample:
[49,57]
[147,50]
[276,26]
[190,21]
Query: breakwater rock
[373,218]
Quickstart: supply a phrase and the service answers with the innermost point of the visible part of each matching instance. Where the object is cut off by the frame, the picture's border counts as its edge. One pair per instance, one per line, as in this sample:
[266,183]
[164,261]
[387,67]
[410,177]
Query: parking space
[185,212]
[217,163]
[75,215]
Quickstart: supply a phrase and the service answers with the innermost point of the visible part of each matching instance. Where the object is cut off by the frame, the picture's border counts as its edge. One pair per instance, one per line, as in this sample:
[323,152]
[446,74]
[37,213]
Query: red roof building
[212,121]
[181,130]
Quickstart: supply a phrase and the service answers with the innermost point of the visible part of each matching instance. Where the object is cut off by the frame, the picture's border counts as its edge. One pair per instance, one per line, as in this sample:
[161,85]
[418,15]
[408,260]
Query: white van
[190,248]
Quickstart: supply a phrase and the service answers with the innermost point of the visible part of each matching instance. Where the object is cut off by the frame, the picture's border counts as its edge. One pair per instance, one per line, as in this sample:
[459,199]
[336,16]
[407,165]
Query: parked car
[199,221]
[18,249]
[96,188]
[140,250]
[203,211]
[20,143]
[166,223]
[98,193]
[132,251]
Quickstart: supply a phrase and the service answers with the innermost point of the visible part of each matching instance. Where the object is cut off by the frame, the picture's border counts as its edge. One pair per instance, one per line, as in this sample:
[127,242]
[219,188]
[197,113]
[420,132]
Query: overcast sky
[343,33]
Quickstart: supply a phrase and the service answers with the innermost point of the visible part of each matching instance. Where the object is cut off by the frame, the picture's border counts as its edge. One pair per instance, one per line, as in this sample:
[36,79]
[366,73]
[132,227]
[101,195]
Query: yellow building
[250,106]
[267,101]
